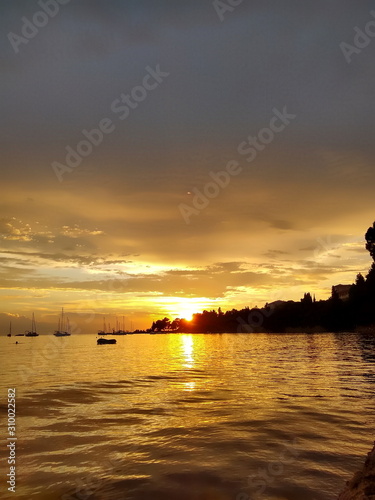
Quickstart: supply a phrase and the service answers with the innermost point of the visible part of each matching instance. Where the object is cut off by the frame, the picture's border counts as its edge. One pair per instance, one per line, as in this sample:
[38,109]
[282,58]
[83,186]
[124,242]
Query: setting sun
[184,308]
[187,316]
[187,313]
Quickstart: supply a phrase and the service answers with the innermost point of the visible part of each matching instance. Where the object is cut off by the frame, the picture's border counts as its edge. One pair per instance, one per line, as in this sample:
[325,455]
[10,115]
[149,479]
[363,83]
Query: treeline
[354,311]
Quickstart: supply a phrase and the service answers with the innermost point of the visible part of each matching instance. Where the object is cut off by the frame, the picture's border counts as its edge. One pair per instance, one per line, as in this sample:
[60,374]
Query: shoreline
[362,485]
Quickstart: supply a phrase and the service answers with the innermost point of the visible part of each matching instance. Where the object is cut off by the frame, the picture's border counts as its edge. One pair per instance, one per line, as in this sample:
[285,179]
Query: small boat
[32,332]
[10,330]
[20,335]
[106,341]
[60,332]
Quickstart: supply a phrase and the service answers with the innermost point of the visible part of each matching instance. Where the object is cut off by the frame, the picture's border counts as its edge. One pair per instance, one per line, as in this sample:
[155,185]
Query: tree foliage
[370,240]
[308,314]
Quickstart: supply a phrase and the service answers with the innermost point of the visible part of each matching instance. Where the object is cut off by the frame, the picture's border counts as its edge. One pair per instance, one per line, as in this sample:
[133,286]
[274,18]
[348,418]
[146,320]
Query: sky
[171,94]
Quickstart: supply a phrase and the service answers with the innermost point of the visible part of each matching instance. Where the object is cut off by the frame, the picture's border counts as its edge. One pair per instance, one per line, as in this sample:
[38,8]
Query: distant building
[342,291]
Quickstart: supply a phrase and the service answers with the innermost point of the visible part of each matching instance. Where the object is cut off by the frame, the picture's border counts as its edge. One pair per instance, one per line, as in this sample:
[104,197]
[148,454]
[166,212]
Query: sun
[185,308]
[187,311]
[187,316]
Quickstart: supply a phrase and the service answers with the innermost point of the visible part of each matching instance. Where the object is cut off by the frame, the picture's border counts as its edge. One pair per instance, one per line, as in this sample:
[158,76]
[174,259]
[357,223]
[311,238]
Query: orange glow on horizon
[183,308]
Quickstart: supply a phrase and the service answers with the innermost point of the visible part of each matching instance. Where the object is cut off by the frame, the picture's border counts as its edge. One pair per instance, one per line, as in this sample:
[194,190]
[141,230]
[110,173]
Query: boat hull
[106,341]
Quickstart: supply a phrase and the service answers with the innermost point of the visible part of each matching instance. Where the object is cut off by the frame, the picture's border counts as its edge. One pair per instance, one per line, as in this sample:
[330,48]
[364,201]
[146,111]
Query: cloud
[21,258]
[8,231]
[286,221]
[76,232]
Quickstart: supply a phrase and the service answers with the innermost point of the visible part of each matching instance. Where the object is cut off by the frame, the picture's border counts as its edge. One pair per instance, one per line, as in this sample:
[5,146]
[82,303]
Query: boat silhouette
[113,331]
[63,327]
[106,341]
[32,332]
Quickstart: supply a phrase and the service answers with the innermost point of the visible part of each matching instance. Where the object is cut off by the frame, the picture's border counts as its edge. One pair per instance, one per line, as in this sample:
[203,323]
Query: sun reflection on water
[188,351]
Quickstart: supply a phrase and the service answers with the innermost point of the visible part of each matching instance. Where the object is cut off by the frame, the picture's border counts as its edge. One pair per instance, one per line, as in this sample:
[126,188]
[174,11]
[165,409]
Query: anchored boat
[106,341]
[32,332]
[63,327]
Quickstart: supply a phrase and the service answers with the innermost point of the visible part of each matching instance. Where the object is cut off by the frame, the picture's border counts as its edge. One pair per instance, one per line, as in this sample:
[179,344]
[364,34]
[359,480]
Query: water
[203,417]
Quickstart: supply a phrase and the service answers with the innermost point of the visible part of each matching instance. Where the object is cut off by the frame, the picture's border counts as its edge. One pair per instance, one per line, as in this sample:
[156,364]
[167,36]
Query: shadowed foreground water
[203,417]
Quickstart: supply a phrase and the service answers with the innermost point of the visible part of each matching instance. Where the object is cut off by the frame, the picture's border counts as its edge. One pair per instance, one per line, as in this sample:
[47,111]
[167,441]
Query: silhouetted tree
[370,240]
[333,314]
[161,325]
[357,291]
[307,299]
[370,281]
[360,281]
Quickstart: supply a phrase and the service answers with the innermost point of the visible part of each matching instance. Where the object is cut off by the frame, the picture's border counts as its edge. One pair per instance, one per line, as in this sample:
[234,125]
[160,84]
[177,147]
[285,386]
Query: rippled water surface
[203,417]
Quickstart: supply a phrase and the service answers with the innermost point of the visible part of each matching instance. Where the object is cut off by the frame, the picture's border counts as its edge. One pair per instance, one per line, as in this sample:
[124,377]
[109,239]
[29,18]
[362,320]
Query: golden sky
[108,237]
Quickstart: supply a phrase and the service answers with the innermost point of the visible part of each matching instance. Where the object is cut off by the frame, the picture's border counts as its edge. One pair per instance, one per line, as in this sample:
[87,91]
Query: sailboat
[104,331]
[10,329]
[102,341]
[32,332]
[60,332]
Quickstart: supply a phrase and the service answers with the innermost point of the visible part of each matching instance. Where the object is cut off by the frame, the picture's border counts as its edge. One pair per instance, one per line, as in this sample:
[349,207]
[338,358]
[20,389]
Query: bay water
[188,417]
